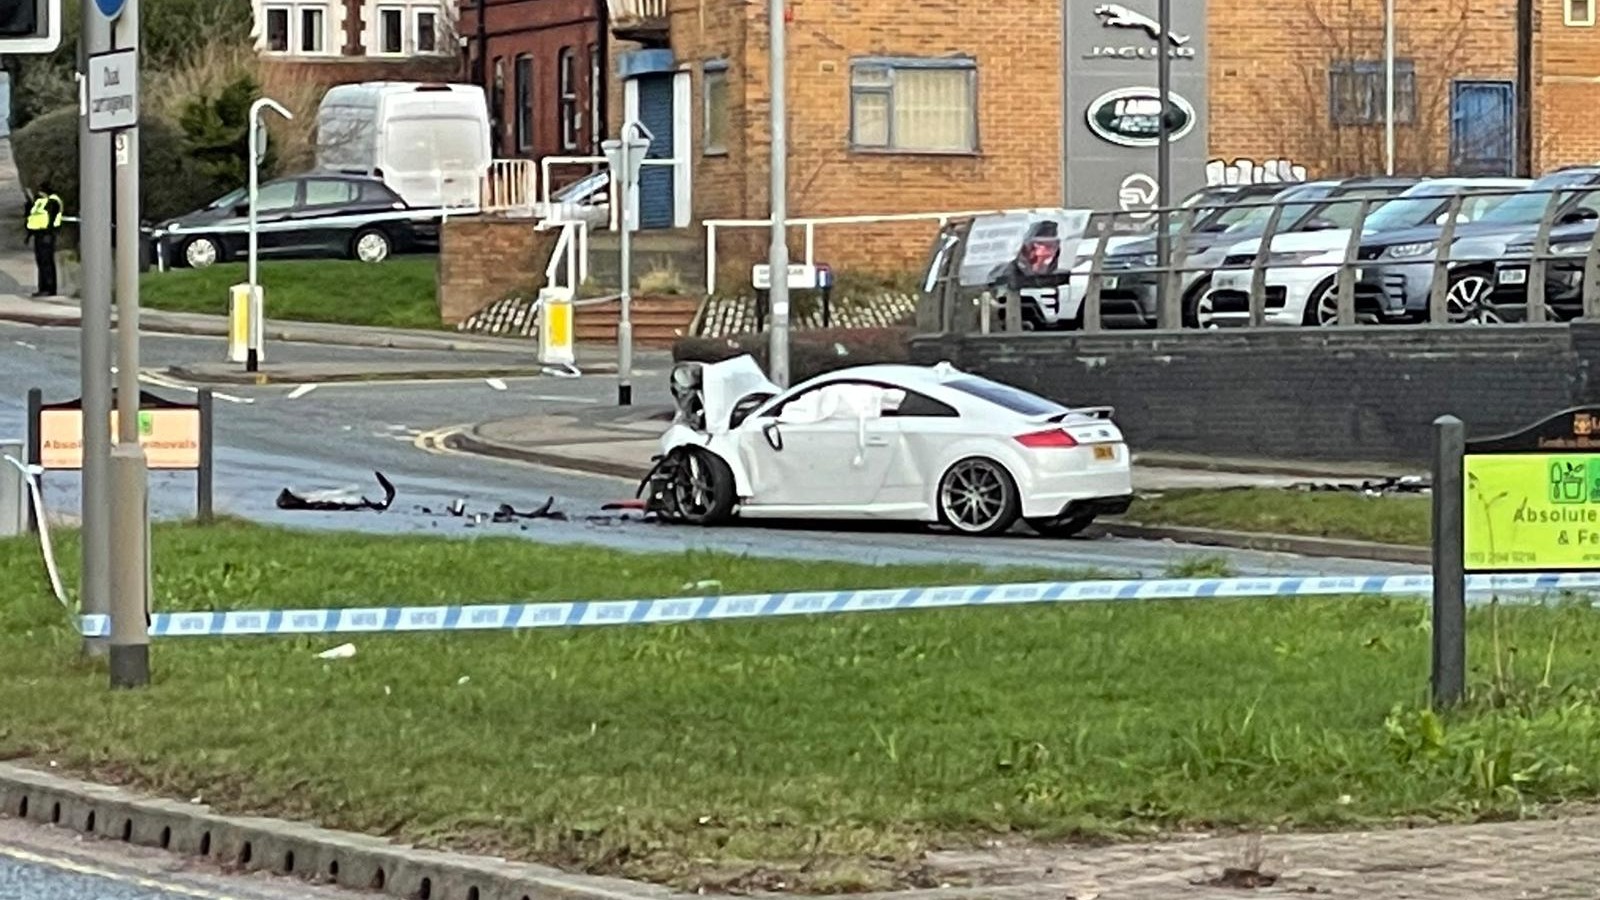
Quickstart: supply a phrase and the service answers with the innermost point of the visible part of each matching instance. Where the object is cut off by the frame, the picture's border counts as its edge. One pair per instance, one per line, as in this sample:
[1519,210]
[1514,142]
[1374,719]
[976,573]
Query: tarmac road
[335,435]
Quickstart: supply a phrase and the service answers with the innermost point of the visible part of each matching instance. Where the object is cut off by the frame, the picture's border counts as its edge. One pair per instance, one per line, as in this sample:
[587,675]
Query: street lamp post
[625,157]
[258,149]
[778,253]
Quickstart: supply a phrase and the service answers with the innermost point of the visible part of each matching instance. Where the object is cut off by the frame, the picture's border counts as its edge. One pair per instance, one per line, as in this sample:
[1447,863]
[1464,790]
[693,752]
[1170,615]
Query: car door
[275,202]
[827,447]
[324,219]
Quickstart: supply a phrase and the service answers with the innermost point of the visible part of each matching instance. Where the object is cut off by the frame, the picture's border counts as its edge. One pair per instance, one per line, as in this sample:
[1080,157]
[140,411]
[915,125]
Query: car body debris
[1395,484]
[337,501]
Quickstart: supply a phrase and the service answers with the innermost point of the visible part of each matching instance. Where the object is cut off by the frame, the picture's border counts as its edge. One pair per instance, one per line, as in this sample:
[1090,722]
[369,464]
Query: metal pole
[252,361]
[130,635]
[1164,164]
[625,324]
[1449,676]
[1388,86]
[94,337]
[204,491]
[778,254]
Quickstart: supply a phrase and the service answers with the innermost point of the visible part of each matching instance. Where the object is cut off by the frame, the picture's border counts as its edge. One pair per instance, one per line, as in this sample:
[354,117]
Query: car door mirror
[1320,224]
[242,209]
[1576,216]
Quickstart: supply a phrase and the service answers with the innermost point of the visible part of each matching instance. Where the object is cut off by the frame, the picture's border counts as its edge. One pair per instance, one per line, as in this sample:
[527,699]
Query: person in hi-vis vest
[44,220]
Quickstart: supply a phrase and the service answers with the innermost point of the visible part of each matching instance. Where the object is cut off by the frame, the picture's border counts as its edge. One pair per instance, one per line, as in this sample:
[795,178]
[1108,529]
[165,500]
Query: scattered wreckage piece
[337,501]
[1401,484]
[506,513]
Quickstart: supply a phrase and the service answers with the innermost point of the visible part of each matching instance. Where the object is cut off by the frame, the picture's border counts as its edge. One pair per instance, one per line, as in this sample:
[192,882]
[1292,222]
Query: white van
[428,142]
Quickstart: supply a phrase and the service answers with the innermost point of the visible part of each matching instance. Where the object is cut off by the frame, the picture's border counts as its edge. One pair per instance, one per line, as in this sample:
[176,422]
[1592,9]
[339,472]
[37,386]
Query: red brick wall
[539,28]
[1567,93]
[483,258]
[326,73]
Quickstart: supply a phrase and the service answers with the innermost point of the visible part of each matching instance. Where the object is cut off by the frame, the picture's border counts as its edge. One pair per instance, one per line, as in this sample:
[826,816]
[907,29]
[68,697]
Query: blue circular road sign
[110,8]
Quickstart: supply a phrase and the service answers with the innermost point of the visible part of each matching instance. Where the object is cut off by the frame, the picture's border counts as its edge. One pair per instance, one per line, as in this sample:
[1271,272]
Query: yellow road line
[68,865]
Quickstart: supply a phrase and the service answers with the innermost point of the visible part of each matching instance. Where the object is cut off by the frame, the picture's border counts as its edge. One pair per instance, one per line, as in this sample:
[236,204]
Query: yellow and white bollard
[555,327]
[244,323]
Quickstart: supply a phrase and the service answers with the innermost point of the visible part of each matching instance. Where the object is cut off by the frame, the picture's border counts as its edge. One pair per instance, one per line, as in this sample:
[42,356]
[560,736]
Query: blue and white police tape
[509,616]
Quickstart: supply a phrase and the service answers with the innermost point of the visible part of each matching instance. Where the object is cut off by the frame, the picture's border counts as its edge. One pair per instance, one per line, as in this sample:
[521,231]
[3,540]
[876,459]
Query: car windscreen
[1528,209]
[1004,395]
[422,145]
[1404,212]
[1255,221]
[228,200]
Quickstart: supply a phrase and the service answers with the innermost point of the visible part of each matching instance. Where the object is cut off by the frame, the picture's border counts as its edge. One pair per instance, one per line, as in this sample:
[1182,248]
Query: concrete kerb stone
[292,849]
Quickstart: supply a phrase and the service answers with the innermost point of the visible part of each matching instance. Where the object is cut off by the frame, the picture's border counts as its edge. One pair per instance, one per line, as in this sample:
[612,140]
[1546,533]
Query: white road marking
[301,391]
[25,345]
[552,398]
[495,383]
[78,868]
[434,442]
[150,376]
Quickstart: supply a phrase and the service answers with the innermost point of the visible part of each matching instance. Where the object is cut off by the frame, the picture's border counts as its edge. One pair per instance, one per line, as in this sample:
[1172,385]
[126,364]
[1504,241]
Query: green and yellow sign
[1532,499]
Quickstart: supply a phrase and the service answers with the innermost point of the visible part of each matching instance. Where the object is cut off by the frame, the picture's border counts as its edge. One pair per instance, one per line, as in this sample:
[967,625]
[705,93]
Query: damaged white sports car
[915,443]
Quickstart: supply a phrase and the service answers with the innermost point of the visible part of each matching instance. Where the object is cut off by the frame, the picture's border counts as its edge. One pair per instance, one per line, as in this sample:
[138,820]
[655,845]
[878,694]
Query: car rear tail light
[1040,440]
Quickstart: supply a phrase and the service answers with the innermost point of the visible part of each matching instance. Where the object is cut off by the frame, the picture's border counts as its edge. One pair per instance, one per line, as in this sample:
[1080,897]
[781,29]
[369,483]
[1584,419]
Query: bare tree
[1351,35]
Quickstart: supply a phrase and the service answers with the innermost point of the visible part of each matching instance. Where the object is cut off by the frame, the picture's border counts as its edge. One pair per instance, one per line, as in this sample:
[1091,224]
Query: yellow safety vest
[39,215]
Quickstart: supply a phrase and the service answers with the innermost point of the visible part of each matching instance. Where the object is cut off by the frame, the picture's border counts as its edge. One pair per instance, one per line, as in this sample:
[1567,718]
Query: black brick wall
[1353,394]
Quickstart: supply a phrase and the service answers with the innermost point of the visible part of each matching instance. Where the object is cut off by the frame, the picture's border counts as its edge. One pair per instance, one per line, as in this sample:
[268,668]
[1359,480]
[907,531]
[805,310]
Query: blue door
[1483,130]
[655,182]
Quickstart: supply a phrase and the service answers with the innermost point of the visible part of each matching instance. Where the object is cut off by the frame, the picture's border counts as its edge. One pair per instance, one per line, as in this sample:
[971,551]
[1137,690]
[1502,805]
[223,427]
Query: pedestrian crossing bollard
[555,327]
[244,325]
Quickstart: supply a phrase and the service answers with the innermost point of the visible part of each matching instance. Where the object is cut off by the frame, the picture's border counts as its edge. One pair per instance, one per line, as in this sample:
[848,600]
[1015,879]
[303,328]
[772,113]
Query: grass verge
[824,753]
[1401,519]
[397,293]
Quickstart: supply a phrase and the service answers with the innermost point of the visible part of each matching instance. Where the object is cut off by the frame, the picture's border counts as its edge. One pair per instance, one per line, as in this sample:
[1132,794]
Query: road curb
[1282,467]
[155,323]
[292,849]
[469,441]
[243,378]
[1271,543]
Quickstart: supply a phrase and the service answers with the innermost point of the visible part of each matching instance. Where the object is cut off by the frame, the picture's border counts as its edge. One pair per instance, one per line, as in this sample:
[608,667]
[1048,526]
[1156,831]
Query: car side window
[914,405]
[276,197]
[377,193]
[329,192]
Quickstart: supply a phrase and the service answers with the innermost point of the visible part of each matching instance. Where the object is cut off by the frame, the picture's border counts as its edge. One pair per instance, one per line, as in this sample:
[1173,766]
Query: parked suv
[1563,272]
[1398,276]
[1312,206]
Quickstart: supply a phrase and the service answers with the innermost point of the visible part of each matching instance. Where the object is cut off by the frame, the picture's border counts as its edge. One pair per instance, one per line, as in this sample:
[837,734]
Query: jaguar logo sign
[1131,117]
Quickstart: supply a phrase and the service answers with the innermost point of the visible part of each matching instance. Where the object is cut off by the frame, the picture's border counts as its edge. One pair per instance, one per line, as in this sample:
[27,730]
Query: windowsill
[938,154]
[715,152]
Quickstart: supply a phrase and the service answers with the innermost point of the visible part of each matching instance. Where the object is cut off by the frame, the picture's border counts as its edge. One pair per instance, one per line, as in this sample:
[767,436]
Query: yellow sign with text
[1532,511]
[170,437]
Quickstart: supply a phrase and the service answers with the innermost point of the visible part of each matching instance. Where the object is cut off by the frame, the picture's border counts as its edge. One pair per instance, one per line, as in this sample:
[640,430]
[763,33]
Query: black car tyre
[370,245]
[200,252]
[703,492]
[1191,302]
[978,497]
[1061,528]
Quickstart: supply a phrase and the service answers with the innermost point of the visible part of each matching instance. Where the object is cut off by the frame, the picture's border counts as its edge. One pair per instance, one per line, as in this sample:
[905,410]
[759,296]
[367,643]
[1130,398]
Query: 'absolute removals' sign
[170,438]
[1531,500]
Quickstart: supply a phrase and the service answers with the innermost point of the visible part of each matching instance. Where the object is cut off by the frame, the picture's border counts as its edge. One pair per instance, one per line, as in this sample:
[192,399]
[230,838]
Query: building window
[1578,12]
[524,94]
[595,86]
[1356,92]
[277,29]
[914,105]
[567,112]
[313,30]
[426,30]
[716,108]
[391,30]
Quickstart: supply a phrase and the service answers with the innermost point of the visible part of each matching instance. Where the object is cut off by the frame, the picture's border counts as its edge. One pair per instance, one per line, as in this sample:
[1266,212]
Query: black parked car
[1563,273]
[303,216]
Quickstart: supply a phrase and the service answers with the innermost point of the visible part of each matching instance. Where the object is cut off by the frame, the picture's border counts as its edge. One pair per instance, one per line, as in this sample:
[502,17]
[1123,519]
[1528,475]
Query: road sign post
[1448,676]
[625,158]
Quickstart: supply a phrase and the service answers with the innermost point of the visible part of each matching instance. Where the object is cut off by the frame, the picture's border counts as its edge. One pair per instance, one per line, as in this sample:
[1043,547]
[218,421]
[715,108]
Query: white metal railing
[572,250]
[810,226]
[509,185]
[626,11]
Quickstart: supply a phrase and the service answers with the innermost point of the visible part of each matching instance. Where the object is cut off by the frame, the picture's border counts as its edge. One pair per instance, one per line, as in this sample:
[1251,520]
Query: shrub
[216,133]
[47,150]
[811,353]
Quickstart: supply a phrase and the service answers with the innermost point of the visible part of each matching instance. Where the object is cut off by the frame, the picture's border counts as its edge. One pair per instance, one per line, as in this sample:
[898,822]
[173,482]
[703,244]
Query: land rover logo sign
[1128,117]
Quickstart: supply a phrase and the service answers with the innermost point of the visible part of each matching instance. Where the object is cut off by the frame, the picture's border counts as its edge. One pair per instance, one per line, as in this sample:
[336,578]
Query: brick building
[327,42]
[543,65]
[900,107]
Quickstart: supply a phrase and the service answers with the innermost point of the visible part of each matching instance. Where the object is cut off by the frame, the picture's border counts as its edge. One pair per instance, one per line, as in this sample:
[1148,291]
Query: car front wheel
[977,496]
[371,246]
[201,252]
[702,491]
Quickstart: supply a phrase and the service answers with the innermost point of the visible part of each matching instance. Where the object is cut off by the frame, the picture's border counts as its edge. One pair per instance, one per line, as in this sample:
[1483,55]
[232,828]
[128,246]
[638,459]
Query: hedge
[811,352]
[47,150]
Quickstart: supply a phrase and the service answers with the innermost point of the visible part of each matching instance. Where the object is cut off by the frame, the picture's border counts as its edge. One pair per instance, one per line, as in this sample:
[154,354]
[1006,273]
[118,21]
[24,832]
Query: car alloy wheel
[1466,301]
[372,246]
[200,252]
[702,489]
[977,496]
[1205,313]
[1325,311]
